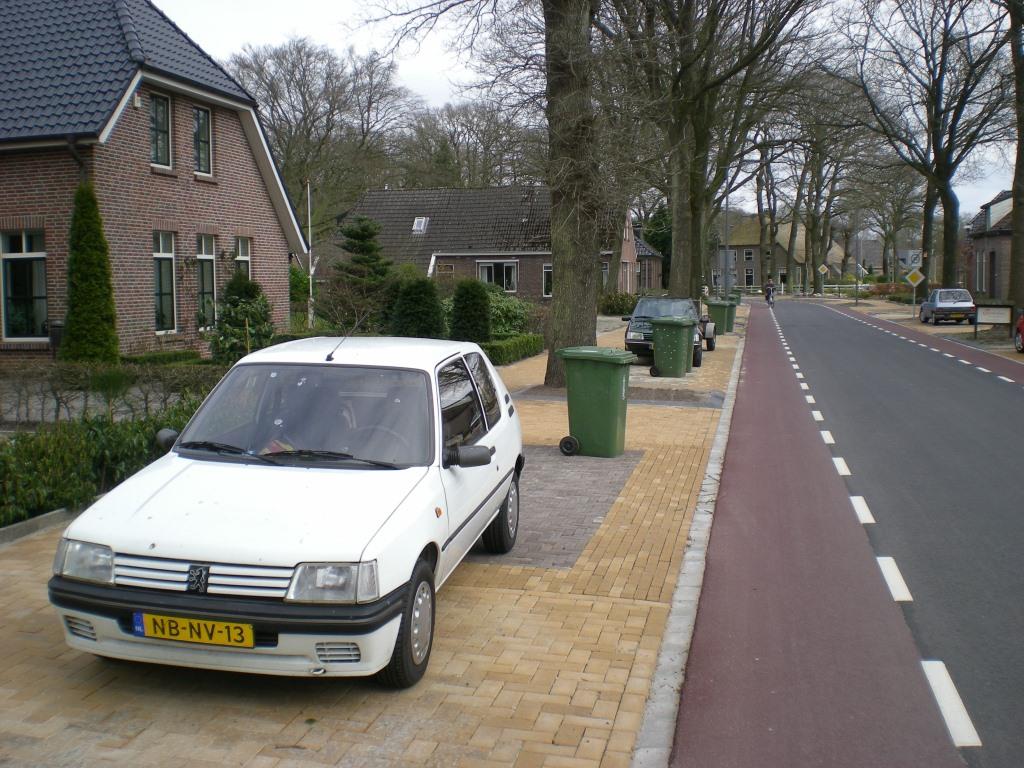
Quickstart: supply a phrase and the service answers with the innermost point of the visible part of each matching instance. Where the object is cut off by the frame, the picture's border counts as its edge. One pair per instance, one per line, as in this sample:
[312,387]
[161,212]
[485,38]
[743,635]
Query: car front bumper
[296,639]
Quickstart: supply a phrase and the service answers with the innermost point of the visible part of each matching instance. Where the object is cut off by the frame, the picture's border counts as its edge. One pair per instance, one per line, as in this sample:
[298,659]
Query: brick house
[498,235]
[986,266]
[112,91]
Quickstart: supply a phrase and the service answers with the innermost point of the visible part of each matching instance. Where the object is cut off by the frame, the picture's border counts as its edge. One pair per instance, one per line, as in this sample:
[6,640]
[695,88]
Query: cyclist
[769,292]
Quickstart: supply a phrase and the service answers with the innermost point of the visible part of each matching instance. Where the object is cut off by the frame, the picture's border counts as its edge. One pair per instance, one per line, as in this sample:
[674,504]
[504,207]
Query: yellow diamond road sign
[823,269]
[914,277]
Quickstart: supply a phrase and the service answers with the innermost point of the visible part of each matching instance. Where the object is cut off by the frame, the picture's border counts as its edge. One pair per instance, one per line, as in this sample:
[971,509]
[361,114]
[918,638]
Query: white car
[303,519]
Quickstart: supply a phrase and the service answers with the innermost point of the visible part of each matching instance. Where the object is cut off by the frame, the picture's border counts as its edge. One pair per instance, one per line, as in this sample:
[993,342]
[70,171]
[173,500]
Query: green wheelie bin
[673,346]
[718,310]
[597,382]
[731,319]
[736,293]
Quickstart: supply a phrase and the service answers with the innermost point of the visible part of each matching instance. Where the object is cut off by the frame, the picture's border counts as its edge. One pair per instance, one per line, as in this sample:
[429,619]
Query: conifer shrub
[90,331]
[471,312]
[244,321]
[418,310]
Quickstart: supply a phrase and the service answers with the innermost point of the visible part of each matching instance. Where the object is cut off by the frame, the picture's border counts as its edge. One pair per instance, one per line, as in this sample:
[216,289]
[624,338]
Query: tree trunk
[794,227]
[682,249]
[931,200]
[950,234]
[572,175]
[1016,280]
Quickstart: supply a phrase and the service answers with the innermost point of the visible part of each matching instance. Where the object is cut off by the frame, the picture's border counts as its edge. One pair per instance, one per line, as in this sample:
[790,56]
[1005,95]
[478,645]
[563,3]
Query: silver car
[948,304]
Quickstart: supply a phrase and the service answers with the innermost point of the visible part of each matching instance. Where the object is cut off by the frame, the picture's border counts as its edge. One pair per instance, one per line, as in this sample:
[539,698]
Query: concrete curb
[15,531]
[657,732]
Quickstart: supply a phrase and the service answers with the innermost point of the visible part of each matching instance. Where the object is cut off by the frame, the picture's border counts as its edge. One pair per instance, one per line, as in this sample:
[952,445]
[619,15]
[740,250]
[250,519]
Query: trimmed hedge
[163,357]
[471,312]
[69,463]
[617,304]
[418,310]
[514,348]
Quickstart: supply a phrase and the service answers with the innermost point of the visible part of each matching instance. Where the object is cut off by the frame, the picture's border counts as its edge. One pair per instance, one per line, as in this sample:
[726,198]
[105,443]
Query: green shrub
[514,348]
[418,310]
[244,324]
[90,331]
[509,315]
[241,288]
[471,312]
[617,304]
[69,463]
[163,357]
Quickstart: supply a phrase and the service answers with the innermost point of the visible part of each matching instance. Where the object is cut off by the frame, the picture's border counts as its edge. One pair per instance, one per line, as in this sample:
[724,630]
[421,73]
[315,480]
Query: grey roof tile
[66,64]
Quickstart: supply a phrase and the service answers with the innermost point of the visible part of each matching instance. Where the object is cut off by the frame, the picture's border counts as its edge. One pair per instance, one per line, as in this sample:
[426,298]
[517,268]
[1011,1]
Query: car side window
[461,414]
[485,386]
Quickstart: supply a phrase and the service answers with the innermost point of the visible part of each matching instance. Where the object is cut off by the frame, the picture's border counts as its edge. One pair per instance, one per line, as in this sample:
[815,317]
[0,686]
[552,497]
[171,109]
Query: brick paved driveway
[542,658]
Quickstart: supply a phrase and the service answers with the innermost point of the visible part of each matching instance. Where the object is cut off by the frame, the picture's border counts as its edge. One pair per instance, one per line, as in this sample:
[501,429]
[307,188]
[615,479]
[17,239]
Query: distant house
[986,267]
[744,248]
[499,235]
[114,92]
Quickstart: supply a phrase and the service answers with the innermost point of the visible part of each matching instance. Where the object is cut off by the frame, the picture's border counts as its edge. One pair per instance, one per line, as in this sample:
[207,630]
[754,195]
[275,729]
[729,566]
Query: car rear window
[485,385]
[665,308]
[956,295]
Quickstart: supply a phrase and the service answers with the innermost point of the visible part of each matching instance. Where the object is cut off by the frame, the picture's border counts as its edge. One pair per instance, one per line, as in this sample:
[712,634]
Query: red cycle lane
[800,657]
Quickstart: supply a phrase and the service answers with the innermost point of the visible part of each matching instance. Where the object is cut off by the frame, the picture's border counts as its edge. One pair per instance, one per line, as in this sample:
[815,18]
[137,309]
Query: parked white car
[303,519]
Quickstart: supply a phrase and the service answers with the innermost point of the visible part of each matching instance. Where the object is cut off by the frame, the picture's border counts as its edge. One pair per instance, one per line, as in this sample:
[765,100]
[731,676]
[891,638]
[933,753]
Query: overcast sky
[222,27]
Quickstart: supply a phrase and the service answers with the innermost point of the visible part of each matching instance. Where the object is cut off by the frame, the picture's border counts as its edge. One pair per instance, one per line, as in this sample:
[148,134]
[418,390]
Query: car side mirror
[627,317]
[166,438]
[468,456]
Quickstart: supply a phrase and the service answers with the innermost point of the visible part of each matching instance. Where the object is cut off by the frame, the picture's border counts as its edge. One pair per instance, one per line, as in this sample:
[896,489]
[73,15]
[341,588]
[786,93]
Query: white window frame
[245,258]
[22,256]
[209,128]
[167,256]
[504,265]
[546,270]
[716,276]
[204,243]
[170,131]
[748,254]
[748,277]
[419,224]
[981,281]
[604,275]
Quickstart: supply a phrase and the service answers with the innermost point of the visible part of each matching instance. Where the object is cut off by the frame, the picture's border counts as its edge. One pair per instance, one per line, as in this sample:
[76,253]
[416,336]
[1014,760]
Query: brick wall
[135,199]
[989,245]
[531,272]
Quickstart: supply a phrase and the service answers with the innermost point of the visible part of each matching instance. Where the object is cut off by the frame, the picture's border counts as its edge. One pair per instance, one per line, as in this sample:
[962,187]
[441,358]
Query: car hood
[246,513]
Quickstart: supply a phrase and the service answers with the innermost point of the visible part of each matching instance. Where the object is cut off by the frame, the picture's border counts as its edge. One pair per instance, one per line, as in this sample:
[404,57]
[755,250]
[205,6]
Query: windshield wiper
[334,455]
[224,448]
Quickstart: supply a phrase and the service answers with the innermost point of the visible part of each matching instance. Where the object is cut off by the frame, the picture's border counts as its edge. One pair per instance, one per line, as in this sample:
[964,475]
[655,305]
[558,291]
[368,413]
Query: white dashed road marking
[894,579]
[809,399]
[799,375]
[805,386]
[984,370]
[961,729]
[861,508]
[841,468]
[827,437]
[816,415]
[1008,381]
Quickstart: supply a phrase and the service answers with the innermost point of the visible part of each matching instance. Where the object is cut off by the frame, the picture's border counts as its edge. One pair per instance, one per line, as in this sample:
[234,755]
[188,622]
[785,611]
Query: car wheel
[1018,341]
[960,321]
[710,344]
[500,535]
[416,633]
[921,317]
[698,356]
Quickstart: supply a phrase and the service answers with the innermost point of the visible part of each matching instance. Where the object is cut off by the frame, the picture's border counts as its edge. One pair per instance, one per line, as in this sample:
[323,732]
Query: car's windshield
[957,295]
[291,411]
[665,308]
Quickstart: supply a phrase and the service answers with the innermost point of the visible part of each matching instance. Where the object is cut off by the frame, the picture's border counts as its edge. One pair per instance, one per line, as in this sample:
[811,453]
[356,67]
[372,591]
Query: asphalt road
[932,433]
[800,657]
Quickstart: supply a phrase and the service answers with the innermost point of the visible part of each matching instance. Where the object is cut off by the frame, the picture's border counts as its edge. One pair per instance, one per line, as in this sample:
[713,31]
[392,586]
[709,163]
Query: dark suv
[639,331]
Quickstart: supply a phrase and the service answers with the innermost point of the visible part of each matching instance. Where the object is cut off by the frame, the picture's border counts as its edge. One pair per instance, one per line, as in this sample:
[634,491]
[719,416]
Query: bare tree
[932,72]
[1016,14]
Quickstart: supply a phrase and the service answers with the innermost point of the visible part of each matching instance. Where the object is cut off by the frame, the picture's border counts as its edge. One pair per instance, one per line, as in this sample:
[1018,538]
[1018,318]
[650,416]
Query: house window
[160,130]
[163,282]
[243,255]
[503,273]
[549,281]
[23,278]
[604,274]
[419,224]
[714,278]
[201,140]
[445,272]
[646,275]
[981,284]
[748,254]
[206,281]
[748,277]
[782,276]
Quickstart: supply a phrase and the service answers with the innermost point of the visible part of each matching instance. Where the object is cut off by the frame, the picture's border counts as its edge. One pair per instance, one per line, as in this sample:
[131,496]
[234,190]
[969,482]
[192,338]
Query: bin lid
[678,321]
[600,354]
[717,302]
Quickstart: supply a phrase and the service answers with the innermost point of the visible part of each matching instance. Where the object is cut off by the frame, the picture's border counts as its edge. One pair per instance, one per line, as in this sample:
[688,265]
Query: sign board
[823,269]
[914,277]
[861,270]
[911,257]
[995,315]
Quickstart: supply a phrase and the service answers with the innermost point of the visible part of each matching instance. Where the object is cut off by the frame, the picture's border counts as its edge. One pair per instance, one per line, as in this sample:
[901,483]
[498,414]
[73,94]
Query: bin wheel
[654,371]
[569,445]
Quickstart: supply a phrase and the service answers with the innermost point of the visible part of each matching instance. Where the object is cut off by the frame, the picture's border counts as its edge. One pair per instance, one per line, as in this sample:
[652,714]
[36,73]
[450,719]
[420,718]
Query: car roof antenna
[330,355]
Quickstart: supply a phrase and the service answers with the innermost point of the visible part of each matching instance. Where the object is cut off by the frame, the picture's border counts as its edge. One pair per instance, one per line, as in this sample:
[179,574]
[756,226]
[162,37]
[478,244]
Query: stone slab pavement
[544,658]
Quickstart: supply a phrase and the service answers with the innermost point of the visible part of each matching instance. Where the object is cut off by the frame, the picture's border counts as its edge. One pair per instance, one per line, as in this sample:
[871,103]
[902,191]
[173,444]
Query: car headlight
[635,336]
[334,583]
[84,561]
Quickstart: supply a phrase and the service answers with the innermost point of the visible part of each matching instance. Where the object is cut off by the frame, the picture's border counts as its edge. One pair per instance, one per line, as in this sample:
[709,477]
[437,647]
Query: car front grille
[225,579]
[338,653]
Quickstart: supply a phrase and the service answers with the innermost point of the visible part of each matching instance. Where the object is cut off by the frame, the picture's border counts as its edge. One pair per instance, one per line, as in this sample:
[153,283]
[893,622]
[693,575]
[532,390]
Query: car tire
[415,634]
[960,321]
[710,344]
[500,536]
[921,317]
[698,356]
[1018,341]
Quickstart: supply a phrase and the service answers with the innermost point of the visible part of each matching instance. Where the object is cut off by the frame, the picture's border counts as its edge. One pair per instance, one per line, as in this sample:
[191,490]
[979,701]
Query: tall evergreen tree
[355,296]
[91,326]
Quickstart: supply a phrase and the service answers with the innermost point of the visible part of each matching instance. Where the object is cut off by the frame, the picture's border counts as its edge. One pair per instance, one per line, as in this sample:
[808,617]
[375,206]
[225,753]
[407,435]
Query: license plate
[193,630]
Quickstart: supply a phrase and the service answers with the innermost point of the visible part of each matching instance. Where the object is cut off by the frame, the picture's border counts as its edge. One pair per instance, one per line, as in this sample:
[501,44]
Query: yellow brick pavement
[531,666]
